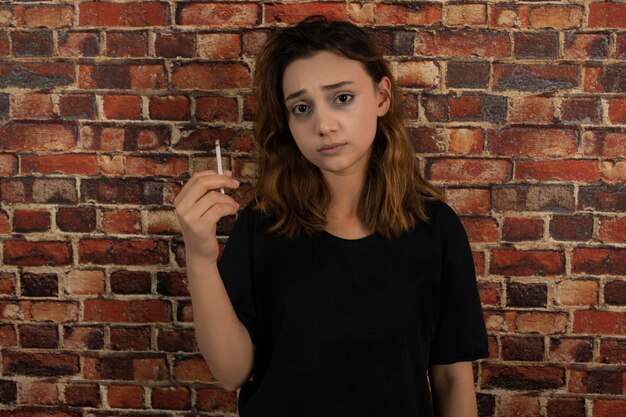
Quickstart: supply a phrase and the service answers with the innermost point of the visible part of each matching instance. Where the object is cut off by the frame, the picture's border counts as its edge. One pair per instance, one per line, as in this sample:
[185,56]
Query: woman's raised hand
[199,206]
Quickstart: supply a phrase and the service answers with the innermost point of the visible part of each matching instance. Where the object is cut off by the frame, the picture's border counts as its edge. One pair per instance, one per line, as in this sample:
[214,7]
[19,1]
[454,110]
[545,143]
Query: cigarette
[218,154]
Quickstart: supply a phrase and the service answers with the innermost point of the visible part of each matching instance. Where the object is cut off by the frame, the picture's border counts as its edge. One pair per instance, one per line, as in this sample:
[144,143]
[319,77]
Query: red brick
[169,107]
[191,368]
[522,228]
[607,15]
[127,44]
[219,45]
[581,110]
[32,106]
[481,229]
[531,109]
[163,222]
[214,399]
[172,284]
[125,396]
[423,14]
[610,198]
[293,13]
[620,48]
[72,164]
[465,141]
[503,16]
[609,407]
[595,381]
[528,142]
[477,107]
[78,44]
[121,76]
[120,311]
[556,17]
[5,225]
[121,221]
[76,219]
[148,77]
[8,336]
[150,369]
[612,350]
[161,165]
[110,367]
[527,262]
[143,190]
[37,137]
[490,293]
[568,350]
[468,170]
[586,46]
[518,406]
[465,15]
[127,338]
[38,336]
[50,16]
[479,262]
[134,14]
[469,200]
[612,230]
[49,311]
[198,76]
[534,77]
[77,106]
[599,261]
[111,165]
[25,221]
[83,338]
[615,292]
[82,395]
[7,283]
[218,15]
[232,139]
[123,252]
[571,227]
[515,377]
[576,292]
[31,253]
[98,138]
[464,43]
[36,43]
[606,79]
[119,106]
[599,322]
[558,170]
[602,143]
[171,398]
[617,110]
[173,45]
[566,407]
[542,323]
[464,74]
[360,14]
[210,109]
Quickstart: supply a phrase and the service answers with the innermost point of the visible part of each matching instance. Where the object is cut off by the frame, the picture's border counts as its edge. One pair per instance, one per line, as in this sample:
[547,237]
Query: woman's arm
[453,390]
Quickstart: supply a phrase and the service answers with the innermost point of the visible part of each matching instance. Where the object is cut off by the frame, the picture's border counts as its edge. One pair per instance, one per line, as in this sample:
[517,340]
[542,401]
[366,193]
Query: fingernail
[236,182]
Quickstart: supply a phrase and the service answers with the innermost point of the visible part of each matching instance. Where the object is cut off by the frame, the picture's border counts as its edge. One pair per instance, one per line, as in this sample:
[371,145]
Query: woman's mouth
[331,148]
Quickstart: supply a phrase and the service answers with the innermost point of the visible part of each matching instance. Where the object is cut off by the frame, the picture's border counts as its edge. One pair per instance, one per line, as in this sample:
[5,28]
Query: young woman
[347,287]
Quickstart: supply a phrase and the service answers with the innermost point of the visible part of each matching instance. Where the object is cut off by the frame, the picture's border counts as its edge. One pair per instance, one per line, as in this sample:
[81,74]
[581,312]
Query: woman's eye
[300,109]
[344,98]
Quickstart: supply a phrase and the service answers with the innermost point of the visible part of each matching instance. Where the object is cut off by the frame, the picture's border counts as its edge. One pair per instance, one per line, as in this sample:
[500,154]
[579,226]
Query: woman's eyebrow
[324,87]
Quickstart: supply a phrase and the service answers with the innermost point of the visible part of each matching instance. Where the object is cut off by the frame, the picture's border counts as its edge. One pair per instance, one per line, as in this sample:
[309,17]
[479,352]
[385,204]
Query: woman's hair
[291,189]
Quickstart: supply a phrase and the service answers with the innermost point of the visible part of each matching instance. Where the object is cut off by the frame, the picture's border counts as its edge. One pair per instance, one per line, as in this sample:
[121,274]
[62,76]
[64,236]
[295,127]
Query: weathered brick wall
[518,110]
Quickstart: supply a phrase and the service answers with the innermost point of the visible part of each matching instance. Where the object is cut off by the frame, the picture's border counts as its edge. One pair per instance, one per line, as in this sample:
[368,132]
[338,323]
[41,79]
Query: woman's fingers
[206,203]
[198,186]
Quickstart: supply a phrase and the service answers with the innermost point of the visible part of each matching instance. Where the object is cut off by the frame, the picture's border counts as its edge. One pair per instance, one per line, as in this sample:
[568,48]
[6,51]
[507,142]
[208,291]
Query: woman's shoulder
[439,211]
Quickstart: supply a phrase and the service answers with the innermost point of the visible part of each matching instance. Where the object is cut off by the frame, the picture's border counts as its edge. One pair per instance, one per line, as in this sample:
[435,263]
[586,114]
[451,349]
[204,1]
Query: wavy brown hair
[290,189]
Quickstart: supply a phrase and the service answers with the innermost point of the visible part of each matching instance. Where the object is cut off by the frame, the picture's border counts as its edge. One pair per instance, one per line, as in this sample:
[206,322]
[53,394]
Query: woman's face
[332,107]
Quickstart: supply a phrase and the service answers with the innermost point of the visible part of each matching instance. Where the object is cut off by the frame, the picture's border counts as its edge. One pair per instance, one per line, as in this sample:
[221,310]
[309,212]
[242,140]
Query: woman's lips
[331,148]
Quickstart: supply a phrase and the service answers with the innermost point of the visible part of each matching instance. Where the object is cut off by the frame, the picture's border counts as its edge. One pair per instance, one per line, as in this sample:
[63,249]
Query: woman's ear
[383,93]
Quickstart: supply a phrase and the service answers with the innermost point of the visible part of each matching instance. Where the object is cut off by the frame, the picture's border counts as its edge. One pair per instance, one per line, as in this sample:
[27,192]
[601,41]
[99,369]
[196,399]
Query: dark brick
[139,138]
[40,364]
[522,378]
[122,191]
[4,105]
[25,221]
[613,79]
[77,106]
[39,336]
[74,219]
[550,198]
[526,295]
[173,45]
[486,404]
[536,45]
[566,407]
[89,46]
[522,348]
[130,282]
[39,285]
[395,41]
[610,198]
[615,292]
[130,338]
[32,43]
[576,227]
[527,77]
[115,368]
[8,392]
[176,340]
[36,75]
[94,339]
[172,284]
[596,381]
[581,110]
[112,76]
[127,44]
[82,395]
[467,74]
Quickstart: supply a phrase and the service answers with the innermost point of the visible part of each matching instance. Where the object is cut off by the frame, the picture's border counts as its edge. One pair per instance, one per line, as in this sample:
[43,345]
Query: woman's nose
[326,121]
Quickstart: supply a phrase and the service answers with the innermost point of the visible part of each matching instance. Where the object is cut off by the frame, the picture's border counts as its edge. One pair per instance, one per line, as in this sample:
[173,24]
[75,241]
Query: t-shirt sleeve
[235,266]
[460,334]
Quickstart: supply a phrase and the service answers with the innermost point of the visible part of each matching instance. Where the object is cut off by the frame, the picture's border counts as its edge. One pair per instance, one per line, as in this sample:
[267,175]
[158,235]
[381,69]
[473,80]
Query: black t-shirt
[349,327]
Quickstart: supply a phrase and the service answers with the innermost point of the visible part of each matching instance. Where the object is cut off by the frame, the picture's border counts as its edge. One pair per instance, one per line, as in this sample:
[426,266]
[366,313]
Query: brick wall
[518,110]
